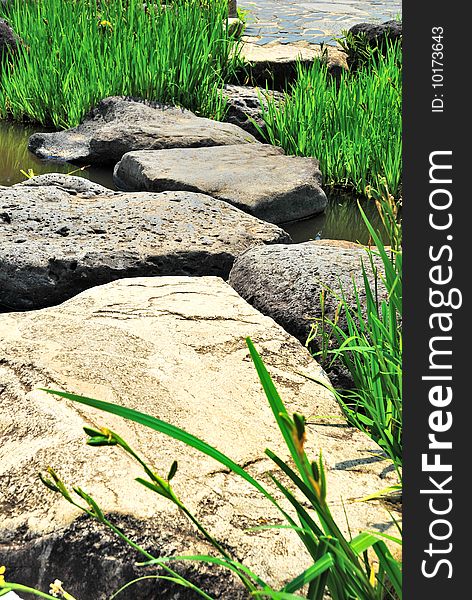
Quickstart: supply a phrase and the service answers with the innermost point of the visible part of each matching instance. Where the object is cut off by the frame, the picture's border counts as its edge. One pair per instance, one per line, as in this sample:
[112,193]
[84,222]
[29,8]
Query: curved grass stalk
[178,580]
[338,565]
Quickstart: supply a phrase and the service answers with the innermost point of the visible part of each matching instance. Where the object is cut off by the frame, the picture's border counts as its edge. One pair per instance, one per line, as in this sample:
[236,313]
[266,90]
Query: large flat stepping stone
[117,125]
[172,347]
[285,281]
[276,63]
[258,179]
[56,241]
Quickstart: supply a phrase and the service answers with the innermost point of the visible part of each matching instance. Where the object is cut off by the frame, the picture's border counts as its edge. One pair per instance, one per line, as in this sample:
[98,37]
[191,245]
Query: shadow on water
[15,157]
[342,219]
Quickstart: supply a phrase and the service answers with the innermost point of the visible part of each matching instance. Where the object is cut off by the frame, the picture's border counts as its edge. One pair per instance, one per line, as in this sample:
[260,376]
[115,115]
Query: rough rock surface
[56,241]
[8,38]
[285,281]
[376,33]
[11,596]
[174,348]
[276,64]
[69,183]
[244,106]
[257,178]
[235,27]
[117,125]
[232,9]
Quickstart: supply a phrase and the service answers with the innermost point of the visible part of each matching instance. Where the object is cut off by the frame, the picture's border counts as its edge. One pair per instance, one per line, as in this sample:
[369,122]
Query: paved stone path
[312,20]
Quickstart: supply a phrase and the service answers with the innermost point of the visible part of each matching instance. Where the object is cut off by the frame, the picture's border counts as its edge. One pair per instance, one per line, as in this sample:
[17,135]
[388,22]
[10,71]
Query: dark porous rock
[285,281]
[376,34]
[56,242]
[363,36]
[244,107]
[232,9]
[92,561]
[257,178]
[8,38]
[118,125]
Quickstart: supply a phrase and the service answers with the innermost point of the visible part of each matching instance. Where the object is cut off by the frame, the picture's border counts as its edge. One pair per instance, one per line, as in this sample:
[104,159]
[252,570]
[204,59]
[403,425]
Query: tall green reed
[76,52]
[352,125]
[340,566]
[370,343]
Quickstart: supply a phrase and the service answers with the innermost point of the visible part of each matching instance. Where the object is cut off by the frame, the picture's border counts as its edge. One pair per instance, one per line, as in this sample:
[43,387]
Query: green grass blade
[166,429]
[232,565]
[390,566]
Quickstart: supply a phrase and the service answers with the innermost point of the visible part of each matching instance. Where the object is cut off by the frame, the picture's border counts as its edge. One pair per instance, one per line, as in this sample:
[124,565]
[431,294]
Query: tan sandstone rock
[276,63]
[173,347]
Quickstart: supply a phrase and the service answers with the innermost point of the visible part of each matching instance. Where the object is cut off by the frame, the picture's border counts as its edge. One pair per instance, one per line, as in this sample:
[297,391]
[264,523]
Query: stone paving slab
[312,20]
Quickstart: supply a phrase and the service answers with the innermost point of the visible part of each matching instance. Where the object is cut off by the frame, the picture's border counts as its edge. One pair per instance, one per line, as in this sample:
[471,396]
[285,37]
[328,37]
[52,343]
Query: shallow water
[312,20]
[15,157]
[341,220]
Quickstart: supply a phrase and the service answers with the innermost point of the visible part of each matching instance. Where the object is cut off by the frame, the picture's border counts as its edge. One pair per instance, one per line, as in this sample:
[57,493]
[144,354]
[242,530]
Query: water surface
[15,157]
[342,220]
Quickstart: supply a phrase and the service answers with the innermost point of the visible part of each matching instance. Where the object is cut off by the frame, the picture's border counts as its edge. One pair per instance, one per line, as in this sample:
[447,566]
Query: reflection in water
[342,219]
[15,157]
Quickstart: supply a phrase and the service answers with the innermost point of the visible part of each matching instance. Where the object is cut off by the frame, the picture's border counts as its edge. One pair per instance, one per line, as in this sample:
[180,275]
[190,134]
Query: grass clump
[76,52]
[342,567]
[370,343]
[352,125]
[360,48]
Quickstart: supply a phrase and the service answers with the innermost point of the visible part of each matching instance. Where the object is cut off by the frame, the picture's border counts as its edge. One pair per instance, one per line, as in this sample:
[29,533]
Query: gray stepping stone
[118,125]
[56,242]
[244,106]
[259,179]
[285,281]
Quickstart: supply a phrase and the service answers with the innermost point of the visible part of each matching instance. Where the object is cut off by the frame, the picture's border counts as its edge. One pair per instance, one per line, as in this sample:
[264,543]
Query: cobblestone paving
[310,20]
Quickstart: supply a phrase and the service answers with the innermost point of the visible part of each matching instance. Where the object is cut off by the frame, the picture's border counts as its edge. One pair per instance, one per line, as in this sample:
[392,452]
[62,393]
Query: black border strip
[436,261]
